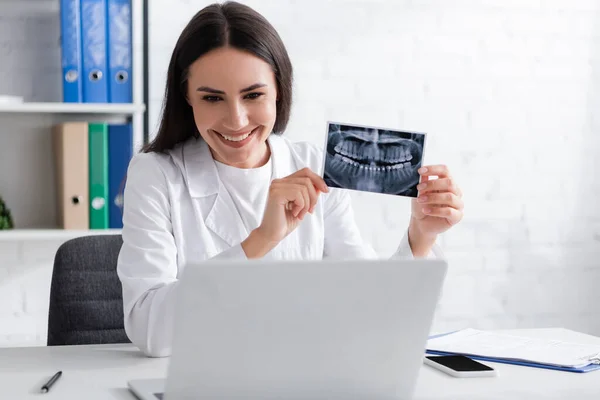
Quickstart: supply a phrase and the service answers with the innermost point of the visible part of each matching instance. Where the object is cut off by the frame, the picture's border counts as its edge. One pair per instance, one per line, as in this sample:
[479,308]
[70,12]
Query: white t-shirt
[248,188]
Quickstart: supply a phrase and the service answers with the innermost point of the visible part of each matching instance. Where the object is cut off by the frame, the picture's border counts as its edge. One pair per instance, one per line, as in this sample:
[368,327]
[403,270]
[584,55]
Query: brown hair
[219,25]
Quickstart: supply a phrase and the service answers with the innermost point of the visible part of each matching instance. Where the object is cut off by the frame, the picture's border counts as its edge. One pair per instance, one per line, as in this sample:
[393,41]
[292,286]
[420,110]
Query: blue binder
[93,48]
[594,365]
[119,51]
[120,151]
[70,41]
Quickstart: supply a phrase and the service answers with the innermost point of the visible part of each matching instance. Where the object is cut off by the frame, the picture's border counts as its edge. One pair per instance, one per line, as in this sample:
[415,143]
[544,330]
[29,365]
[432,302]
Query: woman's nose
[237,117]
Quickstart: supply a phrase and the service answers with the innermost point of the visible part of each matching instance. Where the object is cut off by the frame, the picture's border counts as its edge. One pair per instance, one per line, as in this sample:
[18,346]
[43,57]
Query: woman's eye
[211,99]
[253,96]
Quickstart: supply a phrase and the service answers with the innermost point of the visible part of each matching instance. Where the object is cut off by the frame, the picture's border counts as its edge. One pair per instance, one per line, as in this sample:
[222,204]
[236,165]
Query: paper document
[517,348]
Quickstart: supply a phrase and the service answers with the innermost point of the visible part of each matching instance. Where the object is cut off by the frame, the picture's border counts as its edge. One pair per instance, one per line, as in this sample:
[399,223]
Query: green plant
[6,221]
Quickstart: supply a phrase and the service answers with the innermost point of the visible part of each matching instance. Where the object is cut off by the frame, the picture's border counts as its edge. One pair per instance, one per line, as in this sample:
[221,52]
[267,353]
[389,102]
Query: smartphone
[459,366]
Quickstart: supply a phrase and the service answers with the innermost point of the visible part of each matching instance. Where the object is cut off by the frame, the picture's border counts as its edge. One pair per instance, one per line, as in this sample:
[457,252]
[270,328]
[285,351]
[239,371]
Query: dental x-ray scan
[373,159]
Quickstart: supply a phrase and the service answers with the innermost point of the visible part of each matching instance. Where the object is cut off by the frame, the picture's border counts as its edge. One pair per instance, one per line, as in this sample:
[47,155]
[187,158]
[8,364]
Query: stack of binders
[96,51]
[91,162]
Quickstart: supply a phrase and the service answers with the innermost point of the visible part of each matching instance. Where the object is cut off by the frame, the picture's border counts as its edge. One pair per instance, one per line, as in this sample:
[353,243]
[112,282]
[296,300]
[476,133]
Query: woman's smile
[237,140]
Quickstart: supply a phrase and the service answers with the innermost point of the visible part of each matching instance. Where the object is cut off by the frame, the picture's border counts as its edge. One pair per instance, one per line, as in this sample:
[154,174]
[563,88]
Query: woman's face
[233,95]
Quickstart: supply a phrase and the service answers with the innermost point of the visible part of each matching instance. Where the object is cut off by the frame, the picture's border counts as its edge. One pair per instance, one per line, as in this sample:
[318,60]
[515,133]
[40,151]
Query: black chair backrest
[86,299]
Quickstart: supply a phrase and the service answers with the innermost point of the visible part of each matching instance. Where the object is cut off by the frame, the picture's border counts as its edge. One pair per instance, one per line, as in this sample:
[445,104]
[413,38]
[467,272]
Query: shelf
[73,108]
[51,234]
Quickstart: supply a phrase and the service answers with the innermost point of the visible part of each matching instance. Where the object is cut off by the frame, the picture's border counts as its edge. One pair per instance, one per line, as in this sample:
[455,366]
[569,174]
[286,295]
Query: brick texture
[508,92]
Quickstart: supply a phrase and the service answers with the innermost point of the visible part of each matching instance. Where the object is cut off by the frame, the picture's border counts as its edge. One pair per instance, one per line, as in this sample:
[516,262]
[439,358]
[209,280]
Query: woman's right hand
[289,200]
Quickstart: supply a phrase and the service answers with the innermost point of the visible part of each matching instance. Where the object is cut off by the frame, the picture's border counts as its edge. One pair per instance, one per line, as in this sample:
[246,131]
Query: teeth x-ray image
[373,159]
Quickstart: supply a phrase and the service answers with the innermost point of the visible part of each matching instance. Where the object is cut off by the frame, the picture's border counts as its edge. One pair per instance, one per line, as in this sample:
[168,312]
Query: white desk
[102,371]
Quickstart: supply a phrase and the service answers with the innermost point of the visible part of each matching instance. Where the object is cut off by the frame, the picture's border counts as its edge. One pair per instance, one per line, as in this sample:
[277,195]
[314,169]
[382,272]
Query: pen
[49,384]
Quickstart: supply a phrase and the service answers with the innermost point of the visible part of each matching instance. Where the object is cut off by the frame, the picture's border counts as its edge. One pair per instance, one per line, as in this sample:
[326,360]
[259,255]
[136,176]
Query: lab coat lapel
[203,181]
[223,219]
[281,157]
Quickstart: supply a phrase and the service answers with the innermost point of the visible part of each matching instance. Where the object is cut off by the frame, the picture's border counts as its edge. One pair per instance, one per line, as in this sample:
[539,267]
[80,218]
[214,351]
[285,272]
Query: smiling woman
[220,182]
[229,75]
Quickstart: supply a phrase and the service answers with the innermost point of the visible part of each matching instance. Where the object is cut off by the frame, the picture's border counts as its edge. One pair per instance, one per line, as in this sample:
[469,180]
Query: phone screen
[459,363]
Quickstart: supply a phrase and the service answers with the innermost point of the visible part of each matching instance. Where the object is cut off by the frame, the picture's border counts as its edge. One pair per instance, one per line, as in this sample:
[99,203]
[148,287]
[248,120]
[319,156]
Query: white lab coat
[178,212]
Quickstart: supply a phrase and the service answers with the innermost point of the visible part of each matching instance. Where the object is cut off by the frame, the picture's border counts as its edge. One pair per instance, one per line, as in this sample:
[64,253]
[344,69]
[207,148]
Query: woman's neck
[266,155]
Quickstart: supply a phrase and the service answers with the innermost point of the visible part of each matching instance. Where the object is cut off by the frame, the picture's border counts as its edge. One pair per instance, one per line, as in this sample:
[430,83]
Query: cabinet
[30,67]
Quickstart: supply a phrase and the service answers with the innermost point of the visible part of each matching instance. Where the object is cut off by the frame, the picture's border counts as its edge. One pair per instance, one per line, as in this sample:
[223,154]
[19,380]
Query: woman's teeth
[236,138]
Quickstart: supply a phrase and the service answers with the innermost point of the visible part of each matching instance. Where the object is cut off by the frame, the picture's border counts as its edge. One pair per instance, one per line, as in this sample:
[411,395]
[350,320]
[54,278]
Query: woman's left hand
[439,205]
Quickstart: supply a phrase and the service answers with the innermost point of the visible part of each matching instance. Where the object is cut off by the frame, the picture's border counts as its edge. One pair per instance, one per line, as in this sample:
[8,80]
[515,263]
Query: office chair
[86,301]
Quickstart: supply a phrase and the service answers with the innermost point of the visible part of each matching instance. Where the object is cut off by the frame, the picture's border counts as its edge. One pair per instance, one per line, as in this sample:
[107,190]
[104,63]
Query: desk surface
[102,371]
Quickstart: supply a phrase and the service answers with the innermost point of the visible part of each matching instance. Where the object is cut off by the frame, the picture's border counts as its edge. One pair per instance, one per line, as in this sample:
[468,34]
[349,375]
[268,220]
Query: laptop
[299,330]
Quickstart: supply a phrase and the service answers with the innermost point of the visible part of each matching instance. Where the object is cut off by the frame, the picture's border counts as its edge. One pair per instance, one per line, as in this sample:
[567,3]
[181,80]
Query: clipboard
[587,368]
[594,362]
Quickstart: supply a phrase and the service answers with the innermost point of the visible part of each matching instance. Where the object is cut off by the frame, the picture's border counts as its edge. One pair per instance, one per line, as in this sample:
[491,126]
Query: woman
[198,191]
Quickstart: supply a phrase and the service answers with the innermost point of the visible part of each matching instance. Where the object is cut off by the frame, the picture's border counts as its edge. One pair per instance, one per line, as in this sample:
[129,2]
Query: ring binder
[120,151]
[119,51]
[93,45]
[71,53]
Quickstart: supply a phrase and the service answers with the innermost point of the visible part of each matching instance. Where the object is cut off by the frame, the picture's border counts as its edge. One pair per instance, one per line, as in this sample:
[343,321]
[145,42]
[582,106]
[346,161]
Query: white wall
[505,89]
[25,273]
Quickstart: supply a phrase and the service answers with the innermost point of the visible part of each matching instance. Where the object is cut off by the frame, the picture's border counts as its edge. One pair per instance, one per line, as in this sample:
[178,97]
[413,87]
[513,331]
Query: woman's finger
[312,191]
[296,194]
[297,198]
[448,199]
[303,189]
[452,215]
[316,179]
[288,195]
[441,185]
[441,171]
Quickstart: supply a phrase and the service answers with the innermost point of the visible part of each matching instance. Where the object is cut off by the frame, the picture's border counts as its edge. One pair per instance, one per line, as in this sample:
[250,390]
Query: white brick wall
[507,91]
[25,274]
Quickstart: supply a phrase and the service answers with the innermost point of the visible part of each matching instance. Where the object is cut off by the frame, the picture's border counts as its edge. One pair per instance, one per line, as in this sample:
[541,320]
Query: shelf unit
[72,108]
[30,66]
[51,234]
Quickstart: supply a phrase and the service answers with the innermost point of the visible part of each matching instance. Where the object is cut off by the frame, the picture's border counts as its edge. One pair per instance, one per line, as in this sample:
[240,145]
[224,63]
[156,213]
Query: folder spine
[119,51]
[93,38]
[98,181]
[70,41]
[70,142]
[120,151]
